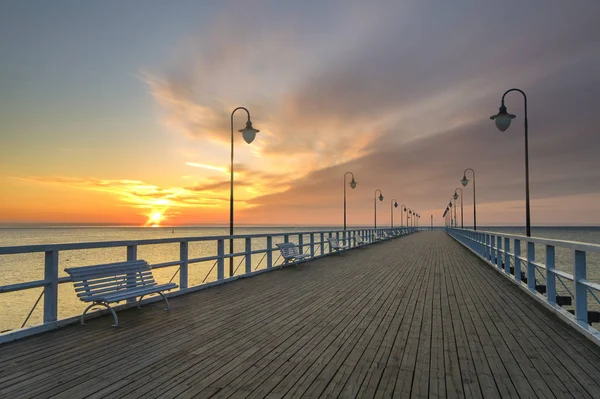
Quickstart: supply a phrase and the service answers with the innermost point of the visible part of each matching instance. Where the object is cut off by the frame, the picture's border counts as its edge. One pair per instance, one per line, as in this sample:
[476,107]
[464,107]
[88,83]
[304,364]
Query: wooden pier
[417,316]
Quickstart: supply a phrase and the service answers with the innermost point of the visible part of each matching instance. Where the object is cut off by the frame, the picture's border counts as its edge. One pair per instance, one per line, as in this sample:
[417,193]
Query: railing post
[301,243]
[220,259]
[269,252]
[131,255]
[487,247]
[499,252]
[550,276]
[51,288]
[493,249]
[286,238]
[507,255]
[312,245]
[183,266]
[531,266]
[322,243]
[579,274]
[248,255]
[330,249]
[517,256]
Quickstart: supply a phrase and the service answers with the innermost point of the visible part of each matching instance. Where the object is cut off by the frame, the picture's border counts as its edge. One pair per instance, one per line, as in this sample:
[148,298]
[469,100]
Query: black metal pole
[375,206]
[527,202]
[231,195]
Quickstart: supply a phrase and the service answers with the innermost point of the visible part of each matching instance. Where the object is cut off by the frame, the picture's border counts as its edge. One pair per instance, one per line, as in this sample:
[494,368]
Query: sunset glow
[399,93]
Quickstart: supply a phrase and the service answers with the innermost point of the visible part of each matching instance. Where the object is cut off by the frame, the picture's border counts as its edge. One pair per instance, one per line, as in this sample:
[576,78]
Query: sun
[154,219]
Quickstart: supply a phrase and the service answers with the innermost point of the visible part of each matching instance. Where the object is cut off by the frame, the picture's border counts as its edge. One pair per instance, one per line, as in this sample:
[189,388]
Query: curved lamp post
[450,208]
[462,225]
[393,204]
[502,120]
[409,215]
[249,134]
[464,182]
[402,210]
[353,186]
[375,203]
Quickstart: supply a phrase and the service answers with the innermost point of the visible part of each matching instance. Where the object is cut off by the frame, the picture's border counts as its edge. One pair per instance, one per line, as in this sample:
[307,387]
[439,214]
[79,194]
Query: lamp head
[353,183]
[455,195]
[249,133]
[404,209]
[502,118]
[395,205]
[380,197]
[464,181]
[450,204]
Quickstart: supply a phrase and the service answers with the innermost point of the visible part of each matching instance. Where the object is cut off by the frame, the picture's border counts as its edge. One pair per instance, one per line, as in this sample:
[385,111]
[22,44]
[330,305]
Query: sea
[19,309]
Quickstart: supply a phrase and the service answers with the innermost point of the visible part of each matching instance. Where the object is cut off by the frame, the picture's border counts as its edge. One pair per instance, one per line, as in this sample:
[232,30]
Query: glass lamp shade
[395,205]
[249,133]
[464,181]
[353,183]
[450,205]
[404,209]
[455,196]
[502,118]
[380,197]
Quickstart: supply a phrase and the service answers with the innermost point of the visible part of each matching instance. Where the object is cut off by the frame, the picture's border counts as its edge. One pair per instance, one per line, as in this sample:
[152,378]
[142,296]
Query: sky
[119,112]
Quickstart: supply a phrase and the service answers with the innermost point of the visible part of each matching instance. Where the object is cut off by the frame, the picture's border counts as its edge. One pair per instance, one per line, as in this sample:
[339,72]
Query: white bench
[336,246]
[291,252]
[115,282]
[358,241]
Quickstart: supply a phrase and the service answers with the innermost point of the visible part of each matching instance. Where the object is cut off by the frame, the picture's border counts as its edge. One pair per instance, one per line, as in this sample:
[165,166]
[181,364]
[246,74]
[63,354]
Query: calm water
[15,306]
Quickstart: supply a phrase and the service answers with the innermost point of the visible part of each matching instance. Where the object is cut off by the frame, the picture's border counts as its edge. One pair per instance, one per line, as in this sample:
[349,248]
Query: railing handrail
[576,245]
[19,249]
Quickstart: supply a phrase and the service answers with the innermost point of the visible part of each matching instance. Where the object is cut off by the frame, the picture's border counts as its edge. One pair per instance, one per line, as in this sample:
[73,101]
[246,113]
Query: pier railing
[534,264]
[252,254]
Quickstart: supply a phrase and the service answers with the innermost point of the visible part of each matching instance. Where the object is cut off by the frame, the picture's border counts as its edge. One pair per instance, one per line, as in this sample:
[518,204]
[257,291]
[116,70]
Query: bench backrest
[90,281]
[333,242]
[288,249]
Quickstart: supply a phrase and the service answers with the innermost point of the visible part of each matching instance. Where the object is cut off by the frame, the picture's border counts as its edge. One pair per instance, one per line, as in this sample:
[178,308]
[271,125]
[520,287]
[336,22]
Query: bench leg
[101,304]
[166,300]
[161,294]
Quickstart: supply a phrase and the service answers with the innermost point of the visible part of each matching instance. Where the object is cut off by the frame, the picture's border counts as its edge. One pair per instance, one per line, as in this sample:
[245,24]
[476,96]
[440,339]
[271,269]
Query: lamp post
[409,215]
[462,225]
[402,210]
[502,120]
[249,134]
[375,204]
[464,182]
[353,186]
[393,204]
[450,208]
[432,222]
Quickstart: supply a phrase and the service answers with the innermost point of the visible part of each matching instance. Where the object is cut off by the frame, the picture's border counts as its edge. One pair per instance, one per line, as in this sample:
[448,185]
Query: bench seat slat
[118,283]
[130,293]
[107,290]
[91,281]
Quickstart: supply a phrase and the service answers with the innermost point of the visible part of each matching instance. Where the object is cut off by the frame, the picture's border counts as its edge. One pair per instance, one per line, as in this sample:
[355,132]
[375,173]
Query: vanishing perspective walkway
[417,316]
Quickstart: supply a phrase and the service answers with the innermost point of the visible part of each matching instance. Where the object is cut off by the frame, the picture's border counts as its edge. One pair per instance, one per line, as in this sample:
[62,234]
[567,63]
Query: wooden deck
[418,316]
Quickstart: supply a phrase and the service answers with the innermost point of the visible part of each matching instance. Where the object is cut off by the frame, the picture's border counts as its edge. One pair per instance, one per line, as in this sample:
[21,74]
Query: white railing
[311,242]
[504,251]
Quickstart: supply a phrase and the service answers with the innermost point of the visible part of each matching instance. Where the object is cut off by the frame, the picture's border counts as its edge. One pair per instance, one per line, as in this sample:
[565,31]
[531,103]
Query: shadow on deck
[416,316]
